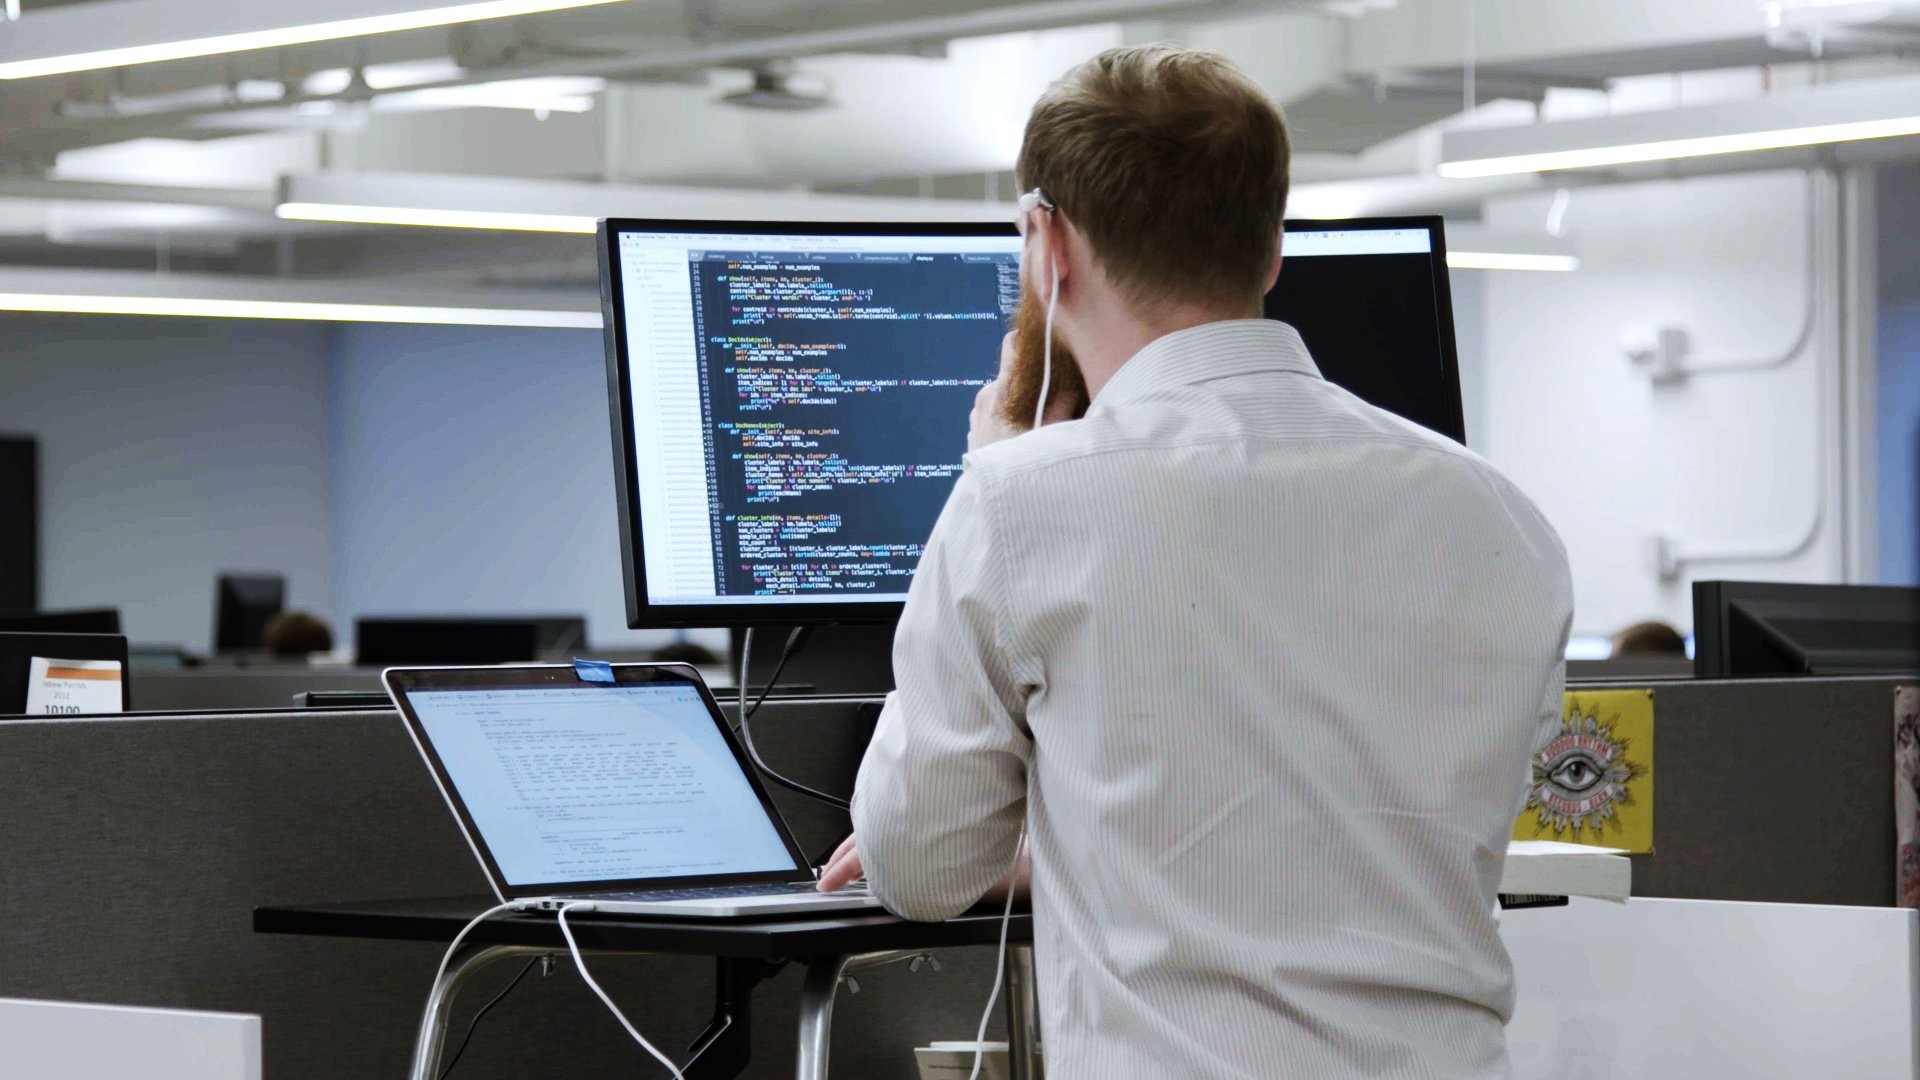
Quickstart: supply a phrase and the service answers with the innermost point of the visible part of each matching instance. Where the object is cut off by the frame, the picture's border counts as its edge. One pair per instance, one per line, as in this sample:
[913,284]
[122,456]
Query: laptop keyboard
[714,892]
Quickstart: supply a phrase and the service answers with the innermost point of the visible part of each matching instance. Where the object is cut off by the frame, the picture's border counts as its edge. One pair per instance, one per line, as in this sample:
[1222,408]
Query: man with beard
[1255,666]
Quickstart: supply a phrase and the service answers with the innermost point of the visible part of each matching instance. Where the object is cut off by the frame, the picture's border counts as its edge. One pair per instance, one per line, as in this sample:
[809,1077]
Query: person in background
[1647,640]
[1257,667]
[295,635]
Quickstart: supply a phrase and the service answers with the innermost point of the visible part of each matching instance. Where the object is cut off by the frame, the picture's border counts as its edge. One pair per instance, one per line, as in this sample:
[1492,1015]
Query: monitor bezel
[641,614]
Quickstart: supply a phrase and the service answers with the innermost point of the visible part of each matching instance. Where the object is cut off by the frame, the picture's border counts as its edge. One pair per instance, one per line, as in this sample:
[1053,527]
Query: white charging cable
[497,909]
[581,963]
[1000,967]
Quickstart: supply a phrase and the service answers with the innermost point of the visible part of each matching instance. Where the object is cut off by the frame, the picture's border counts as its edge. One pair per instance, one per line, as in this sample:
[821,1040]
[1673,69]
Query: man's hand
[986,425]
[844,868]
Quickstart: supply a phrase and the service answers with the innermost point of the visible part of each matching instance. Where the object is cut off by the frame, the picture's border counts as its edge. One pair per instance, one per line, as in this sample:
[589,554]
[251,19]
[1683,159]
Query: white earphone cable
[1000,967]
[1046,351]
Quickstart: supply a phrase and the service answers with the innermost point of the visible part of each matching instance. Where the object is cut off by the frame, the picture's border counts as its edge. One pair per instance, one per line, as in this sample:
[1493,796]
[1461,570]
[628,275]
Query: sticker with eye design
[1583,779]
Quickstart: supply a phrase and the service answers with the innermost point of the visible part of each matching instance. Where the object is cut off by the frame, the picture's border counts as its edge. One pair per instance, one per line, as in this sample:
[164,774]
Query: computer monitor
[1744,628]
[790,400]
[246,603]
[78,621]
[1371,300]
[508,639]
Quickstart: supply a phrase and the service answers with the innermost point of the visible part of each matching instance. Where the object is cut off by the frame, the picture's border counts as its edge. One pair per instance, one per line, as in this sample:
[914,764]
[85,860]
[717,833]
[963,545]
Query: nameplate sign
[73,687]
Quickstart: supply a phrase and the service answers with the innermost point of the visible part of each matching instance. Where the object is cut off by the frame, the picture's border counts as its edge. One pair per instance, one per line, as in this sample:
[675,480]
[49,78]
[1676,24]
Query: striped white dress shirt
[1259,666]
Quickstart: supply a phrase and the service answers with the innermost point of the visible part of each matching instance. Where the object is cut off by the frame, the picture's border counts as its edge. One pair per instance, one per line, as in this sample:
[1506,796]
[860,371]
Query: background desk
[745,951]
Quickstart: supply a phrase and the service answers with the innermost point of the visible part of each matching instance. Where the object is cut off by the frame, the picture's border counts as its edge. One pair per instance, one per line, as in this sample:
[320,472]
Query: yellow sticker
[1593,783]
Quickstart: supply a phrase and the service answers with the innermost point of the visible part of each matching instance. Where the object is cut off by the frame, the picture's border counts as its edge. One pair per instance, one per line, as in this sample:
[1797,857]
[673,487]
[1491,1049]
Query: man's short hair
[1173,164]
[294,634]
[1649,639]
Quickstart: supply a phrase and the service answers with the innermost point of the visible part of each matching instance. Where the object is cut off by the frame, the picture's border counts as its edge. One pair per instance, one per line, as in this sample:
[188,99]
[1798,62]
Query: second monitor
[790,401]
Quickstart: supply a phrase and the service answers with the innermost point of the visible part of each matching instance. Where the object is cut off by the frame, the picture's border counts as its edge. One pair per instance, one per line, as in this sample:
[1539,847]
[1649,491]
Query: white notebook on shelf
[1550,868]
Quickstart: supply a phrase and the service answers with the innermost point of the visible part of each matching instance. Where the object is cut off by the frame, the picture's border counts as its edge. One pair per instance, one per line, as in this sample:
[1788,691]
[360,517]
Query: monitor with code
[790,401]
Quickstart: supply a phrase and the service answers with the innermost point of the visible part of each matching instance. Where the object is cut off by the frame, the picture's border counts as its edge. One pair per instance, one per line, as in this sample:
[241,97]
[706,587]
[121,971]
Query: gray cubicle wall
[261,688]
[1772,790]
[266,686]
[136,848]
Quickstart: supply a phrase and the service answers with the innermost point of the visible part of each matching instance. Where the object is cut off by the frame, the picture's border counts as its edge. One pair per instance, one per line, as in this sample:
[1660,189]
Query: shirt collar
[1215,350]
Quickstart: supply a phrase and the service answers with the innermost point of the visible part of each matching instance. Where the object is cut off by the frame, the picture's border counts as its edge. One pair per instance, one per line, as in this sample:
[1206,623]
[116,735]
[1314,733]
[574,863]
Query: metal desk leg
[430,1044]
[1023,1016]
[816,1016]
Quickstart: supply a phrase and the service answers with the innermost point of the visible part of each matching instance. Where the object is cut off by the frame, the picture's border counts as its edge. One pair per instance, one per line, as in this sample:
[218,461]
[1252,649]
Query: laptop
[632,795]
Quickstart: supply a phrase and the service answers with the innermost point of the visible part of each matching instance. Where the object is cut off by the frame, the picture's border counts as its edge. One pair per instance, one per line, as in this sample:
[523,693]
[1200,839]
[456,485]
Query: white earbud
[1046,352]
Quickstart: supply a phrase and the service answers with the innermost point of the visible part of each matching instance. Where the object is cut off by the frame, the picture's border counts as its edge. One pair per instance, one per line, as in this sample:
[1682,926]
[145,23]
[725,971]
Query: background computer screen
[790,402]
[795,408]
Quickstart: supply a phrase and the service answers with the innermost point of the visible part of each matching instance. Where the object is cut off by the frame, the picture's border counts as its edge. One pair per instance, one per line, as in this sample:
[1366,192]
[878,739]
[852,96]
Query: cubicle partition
[137,848]
[1772,790]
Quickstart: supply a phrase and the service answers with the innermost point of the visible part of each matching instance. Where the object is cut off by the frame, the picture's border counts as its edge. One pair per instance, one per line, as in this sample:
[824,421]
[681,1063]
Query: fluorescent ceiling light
[33,46]
[205,296]
[1510,260]
[295,310]
[467,202]
[442,219]
[1846,112]
[1471,247]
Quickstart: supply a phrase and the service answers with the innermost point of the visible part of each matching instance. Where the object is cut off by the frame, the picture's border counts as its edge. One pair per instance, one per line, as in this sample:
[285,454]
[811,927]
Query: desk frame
[745,954]
[722,1050]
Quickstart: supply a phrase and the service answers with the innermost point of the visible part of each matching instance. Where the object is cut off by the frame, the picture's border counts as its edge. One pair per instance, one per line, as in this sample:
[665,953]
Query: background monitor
[246,603]
[1767,628]
[17,651]
[19,523]
[1371,299]
[790,401]
[79,621]
[382,642]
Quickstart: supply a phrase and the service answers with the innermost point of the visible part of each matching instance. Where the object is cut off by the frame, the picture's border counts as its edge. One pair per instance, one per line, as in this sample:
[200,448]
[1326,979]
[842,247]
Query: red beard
[1066,396]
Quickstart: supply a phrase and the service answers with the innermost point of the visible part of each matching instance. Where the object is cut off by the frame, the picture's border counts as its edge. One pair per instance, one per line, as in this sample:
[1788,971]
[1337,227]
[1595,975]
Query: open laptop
[632,795]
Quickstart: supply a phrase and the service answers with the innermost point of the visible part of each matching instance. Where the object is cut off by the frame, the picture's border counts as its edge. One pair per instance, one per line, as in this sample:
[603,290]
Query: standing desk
[745,951]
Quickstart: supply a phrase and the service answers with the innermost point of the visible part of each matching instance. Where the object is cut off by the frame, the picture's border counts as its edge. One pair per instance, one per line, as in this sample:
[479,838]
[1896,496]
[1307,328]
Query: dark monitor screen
[379,642]
[1372,302]
[83,621]
[1744,628]
[790,401]
[246,604]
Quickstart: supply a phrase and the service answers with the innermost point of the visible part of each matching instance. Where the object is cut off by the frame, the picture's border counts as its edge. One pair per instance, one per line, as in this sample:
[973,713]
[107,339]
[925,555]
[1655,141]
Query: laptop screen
[599,783]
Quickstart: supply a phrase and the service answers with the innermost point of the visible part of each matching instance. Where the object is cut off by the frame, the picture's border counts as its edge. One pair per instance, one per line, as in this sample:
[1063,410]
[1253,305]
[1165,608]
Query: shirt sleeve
[942,792]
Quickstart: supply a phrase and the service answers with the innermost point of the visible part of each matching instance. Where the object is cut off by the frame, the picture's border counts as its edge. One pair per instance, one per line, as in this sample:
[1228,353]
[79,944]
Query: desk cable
[579,962]
[473,1025]
[795,641]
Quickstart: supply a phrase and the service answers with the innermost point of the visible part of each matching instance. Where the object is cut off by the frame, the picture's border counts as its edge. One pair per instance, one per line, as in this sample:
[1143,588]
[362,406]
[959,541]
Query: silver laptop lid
[566,786]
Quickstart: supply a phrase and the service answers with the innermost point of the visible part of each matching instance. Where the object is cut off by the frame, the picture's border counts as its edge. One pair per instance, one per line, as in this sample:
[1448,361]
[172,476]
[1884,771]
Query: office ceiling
[176,165]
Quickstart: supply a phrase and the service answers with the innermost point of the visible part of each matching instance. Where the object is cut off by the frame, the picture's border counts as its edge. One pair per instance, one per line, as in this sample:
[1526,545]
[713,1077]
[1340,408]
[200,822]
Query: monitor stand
[853,659]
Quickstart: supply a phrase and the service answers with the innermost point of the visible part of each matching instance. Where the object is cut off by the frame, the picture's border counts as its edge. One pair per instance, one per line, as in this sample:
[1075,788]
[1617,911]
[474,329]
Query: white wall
[172,449]
[1722,464]
[473,473]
